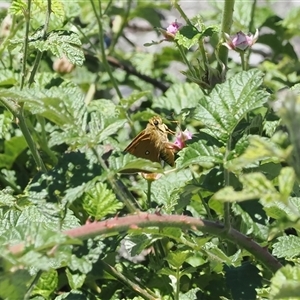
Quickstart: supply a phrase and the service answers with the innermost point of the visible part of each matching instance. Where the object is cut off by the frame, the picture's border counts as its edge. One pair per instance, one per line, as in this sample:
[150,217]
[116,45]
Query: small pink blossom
[173,28]
[240,41]
[181,138]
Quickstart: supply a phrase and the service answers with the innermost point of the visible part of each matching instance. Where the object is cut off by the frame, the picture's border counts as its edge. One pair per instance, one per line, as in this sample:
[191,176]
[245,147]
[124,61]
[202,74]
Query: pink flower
[181,138]
[173,28]
[240,41]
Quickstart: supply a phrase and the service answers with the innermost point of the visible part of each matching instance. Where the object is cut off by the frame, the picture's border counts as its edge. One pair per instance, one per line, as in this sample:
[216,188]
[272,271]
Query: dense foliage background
[78,221]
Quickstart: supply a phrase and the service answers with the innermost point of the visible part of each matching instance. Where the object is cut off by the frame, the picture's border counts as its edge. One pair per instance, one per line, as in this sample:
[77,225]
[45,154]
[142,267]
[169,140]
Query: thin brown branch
[143,220]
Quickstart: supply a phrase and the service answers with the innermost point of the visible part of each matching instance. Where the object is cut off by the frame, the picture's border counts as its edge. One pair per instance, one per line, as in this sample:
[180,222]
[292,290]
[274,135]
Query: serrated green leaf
[59,105]
[286,180]
[18,7]
[141,165]
[135,96]
[200,153]
[177,258]
[99,201]
[166,190]
[229,102]
[259,149]
[75,280]
[252,219]
[179,96]
[287,246]
[110,130]
[286,283]
[282,210]
[47,284]
[215,254]
[187,36]
[190,295]
[255,186]
[61,43]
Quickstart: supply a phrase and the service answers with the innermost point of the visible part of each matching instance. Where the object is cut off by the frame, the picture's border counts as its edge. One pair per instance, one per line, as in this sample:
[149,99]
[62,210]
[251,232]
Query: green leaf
[18,7]
[99,201]
[286,283]
[75,280]
[255,186]
[201,153]
[190,295]
[12,149]
[141,165]
[187,36]
[259,149]
[287,247]
[59,105]
[165,191]
[60,43]
[13,285]
[47,284]
[177,258]
[178,97]
[286,181]
[229,102]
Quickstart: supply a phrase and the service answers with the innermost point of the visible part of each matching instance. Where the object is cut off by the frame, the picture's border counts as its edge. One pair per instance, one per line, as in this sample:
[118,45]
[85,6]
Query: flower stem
[102,48]
[225,27]
[227,224]
[40,54]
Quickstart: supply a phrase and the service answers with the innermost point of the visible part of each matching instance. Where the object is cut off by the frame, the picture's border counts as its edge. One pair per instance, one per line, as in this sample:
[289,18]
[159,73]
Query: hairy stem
[225,27]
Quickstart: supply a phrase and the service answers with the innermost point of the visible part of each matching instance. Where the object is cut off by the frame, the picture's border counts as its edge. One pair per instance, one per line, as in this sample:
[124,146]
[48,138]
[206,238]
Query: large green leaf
[179,96]
[229,102]
[286,283]
[201,153]
[12,149]
[287,246]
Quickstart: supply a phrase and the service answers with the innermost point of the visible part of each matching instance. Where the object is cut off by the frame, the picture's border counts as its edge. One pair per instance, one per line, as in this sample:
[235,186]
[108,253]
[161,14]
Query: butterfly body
[152,143]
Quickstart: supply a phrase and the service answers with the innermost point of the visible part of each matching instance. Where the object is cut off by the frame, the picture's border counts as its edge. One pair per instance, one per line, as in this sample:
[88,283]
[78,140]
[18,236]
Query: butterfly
[152,143]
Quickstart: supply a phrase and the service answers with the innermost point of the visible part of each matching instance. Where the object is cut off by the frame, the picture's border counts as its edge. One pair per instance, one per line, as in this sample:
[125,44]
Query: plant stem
[184,16]
[40,54]
[149,183]
[121,28]
[102,48]
[136,288]
[227,183]
[187,63]
[177,284]
[25,46]
[17,112]
[243,61]
[225,27]
[119,188]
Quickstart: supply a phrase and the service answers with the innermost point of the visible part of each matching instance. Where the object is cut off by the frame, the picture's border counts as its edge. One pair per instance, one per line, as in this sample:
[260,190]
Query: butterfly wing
[152,143]
[144,147]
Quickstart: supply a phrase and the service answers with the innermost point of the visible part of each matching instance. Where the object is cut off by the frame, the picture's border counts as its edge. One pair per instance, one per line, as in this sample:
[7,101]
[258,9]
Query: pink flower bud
[240,41]
[173,28]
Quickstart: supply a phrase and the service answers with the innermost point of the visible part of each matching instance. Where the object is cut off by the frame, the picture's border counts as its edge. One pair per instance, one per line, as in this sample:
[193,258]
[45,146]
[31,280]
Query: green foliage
[82,219]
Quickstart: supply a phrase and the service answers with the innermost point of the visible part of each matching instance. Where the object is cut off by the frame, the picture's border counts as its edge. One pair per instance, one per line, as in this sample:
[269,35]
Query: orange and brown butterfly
[152,143]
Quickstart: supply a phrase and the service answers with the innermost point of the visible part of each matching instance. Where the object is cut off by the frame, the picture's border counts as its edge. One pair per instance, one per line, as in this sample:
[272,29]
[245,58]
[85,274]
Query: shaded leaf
[99,201]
